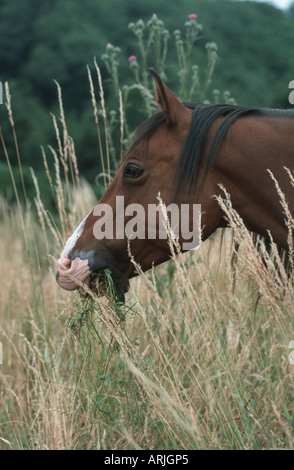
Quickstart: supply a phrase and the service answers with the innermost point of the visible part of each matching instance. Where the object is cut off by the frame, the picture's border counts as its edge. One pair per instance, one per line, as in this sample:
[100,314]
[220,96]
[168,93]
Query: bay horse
[185,152]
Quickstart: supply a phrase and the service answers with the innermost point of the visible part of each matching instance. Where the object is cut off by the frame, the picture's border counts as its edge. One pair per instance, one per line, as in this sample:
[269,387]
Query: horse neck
[250,159]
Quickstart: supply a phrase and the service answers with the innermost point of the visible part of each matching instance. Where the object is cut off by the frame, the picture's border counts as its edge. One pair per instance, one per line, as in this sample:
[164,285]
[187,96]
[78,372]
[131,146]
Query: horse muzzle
[72,273]
[83,268]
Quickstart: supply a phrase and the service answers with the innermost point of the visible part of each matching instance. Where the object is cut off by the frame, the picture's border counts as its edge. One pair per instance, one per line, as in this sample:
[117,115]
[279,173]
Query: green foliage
[244,47]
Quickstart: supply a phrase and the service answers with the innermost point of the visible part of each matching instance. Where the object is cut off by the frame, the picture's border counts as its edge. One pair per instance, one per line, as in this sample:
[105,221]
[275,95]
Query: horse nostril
[65,263]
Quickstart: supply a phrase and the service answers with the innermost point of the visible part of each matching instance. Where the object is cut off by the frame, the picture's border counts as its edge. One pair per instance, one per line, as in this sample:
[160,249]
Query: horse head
[102,238]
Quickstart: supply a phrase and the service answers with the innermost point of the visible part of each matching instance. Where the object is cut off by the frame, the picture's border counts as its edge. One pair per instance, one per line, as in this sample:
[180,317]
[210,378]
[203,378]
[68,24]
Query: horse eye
[133,171]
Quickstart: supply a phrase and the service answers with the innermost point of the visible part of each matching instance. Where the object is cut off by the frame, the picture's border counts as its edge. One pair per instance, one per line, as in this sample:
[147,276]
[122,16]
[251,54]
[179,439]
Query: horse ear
[171,106]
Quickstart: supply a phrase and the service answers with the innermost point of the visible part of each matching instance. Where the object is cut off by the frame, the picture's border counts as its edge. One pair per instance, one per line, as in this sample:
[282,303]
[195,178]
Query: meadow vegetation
[197,358]
[191,361]
[56,39]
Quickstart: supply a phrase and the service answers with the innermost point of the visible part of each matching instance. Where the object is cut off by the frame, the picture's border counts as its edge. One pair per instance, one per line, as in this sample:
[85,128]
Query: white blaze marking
[74,237]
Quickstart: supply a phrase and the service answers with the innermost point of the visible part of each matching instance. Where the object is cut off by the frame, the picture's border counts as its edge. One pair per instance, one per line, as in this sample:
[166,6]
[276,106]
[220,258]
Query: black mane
[192,152]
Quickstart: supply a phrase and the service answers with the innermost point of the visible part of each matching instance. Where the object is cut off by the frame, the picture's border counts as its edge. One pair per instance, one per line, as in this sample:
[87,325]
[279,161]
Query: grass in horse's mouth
[101,284]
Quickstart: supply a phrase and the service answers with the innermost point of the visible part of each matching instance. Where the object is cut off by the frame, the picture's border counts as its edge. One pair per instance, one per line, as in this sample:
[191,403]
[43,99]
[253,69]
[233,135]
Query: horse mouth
[72,273]
[101,281]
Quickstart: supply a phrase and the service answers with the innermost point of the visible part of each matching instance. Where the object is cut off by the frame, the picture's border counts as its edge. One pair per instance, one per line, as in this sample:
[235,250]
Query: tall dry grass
[192,361]
[193,365]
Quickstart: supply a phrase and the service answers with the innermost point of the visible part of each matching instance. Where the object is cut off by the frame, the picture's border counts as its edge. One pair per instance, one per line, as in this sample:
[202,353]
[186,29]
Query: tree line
[56,39]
